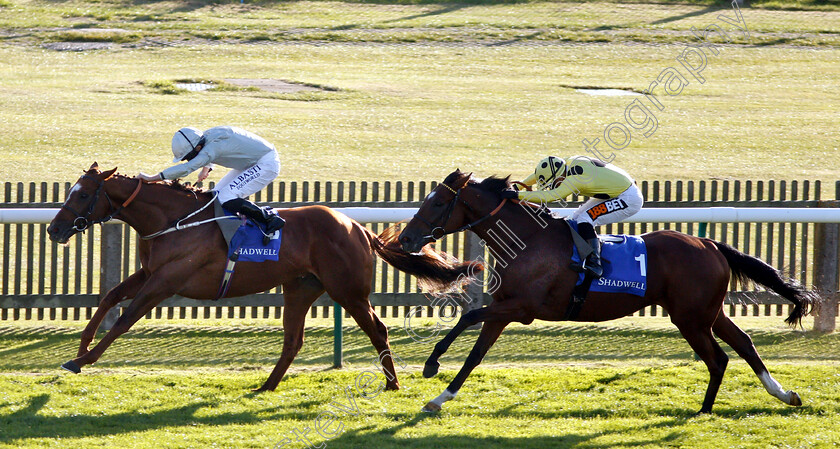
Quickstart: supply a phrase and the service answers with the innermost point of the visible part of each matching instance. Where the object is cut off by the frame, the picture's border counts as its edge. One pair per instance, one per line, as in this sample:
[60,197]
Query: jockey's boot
[593,262]
[265,216]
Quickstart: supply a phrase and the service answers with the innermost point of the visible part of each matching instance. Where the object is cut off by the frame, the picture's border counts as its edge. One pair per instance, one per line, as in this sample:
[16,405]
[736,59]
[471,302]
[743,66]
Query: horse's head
[450,207]
[86,204]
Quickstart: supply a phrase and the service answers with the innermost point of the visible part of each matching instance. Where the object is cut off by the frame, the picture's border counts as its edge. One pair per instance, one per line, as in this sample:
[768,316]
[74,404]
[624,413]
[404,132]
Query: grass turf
[763,113]
[631,382]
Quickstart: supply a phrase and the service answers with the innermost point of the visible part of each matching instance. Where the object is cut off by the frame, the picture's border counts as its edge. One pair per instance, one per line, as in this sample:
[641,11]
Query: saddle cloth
[624,258]
[244,238]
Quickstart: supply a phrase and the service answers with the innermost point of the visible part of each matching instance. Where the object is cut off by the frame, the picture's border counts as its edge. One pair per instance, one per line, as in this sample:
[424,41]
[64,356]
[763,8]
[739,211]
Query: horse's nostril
[405,242]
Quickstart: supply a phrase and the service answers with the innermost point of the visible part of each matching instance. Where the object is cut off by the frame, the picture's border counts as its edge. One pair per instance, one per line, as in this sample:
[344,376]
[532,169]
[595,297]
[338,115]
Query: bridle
[82,222]
[438,231]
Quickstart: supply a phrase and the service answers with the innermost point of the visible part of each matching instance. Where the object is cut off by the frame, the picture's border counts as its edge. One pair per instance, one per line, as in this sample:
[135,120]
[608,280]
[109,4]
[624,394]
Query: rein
[439,231]
[179,227]
[82,222]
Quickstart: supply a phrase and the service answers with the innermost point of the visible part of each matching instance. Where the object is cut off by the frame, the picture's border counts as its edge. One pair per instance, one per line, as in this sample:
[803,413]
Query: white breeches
[243,183]
[599,212]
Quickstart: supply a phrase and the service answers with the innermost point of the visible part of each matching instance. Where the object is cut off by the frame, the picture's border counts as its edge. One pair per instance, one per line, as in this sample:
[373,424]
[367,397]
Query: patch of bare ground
[272,85]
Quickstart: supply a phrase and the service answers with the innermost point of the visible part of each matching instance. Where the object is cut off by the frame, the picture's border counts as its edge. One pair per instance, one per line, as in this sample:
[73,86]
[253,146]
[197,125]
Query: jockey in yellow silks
[613,195]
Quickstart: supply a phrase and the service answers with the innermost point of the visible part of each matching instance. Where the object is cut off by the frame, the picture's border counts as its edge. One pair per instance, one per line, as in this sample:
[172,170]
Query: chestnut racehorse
[687,276]
[322,250]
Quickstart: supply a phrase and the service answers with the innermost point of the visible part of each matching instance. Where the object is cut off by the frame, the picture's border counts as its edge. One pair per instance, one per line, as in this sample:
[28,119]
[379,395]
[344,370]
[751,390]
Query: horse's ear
[462,180]
[108,174]
[94,166]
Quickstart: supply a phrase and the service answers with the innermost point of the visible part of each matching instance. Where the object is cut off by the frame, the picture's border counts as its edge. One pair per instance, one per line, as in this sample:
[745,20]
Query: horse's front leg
[156,289]
[489,334]
[496,317]
[125,290]
[430,369]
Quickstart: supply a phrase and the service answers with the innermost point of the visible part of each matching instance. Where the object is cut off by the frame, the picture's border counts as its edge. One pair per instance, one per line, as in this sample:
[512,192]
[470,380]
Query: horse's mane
[172,185]
[494,184]
[497,185]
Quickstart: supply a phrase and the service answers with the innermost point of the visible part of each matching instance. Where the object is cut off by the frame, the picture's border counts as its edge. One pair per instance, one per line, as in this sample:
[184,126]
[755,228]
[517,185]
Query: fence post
[338,336]
[826,257]
[110,270]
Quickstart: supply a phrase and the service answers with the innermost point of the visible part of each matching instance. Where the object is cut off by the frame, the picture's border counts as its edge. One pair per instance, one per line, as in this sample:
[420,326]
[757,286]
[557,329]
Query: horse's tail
[746,267]
[435,270]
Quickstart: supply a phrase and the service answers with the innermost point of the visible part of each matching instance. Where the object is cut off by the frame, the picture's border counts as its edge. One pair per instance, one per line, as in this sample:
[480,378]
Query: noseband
[82,222]
[438,231]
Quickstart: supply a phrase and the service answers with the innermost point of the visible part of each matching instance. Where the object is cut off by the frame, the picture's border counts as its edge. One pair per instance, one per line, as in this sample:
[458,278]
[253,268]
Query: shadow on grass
[516,40]
[28,423]
[699,12]
[46,348]
[370,437]
[444,9]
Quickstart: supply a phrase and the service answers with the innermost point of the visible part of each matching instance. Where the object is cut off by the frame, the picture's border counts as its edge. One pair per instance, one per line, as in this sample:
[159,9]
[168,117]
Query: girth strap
[231,263]
[580,291]
[578,297]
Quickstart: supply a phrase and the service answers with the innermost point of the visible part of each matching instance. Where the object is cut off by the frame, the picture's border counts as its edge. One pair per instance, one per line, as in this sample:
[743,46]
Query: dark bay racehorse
[322,250]
[687,276]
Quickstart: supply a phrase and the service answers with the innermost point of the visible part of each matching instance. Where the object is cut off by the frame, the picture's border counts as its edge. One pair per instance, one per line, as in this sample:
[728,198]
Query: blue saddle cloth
[624,258]
[248,242]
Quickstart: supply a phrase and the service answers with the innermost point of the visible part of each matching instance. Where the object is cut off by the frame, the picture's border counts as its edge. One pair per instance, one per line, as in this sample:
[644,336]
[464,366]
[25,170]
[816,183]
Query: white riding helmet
[548,170]
[184,141]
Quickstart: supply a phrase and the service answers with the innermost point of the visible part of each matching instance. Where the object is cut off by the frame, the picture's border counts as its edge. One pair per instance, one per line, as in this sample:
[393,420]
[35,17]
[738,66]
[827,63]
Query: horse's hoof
[393,387]
[72,367]
[430,407]
[430,369]
[795,400]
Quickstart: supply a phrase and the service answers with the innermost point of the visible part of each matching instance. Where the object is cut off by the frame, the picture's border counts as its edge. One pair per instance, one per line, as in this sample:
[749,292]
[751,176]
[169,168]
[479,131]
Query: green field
[422,89]
[631,382]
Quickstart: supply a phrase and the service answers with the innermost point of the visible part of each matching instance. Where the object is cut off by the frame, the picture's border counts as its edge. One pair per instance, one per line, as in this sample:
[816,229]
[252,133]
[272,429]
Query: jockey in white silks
[253,162]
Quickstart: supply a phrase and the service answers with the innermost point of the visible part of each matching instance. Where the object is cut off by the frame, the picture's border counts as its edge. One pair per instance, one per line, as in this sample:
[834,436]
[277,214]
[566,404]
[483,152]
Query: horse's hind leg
[361,311]
[350,288]
[743,345]
[703,343]
[125,290]
[299,296]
